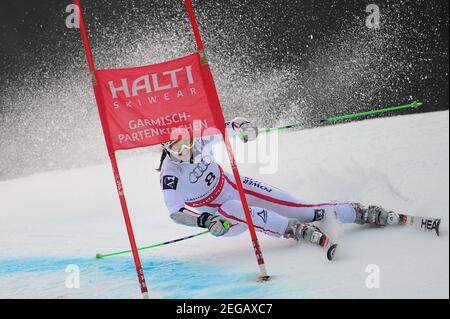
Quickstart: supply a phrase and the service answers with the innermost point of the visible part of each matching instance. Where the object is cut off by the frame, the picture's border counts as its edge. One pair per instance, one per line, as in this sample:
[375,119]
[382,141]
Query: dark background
[275,62]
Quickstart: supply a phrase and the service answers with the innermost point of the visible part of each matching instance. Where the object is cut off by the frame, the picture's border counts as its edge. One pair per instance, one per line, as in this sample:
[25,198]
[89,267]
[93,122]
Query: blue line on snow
[174,279]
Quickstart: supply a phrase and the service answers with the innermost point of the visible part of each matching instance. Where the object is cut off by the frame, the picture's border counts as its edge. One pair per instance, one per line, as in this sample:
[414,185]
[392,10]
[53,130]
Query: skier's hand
[246,130]
[217,224]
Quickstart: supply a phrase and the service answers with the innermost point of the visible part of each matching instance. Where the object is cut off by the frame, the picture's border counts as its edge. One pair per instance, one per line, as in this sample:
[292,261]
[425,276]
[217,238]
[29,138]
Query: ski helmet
[175,149]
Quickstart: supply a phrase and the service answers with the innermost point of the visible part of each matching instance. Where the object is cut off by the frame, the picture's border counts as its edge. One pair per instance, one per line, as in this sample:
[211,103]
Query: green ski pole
[227,225]
[335,119]
[101,256]
[415,105]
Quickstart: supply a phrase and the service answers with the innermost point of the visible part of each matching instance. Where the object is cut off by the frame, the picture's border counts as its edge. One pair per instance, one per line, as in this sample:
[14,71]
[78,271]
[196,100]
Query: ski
[422,223]
[326,243]
[331,251]
[330,246]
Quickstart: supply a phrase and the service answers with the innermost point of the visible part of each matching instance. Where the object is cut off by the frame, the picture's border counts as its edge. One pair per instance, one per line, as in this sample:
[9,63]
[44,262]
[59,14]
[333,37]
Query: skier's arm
[178,213]
[246,131]
[238,127]
[170,185]
[184,217]
[216,224]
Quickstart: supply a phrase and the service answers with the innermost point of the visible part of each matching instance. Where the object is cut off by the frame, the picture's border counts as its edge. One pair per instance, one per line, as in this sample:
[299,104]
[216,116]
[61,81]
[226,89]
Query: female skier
[199,193]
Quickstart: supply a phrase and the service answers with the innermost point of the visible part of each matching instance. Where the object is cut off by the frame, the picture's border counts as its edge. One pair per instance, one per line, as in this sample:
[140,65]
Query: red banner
[150,105]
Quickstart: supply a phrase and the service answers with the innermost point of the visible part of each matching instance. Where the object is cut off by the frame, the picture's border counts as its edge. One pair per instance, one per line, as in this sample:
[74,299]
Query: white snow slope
[52,220]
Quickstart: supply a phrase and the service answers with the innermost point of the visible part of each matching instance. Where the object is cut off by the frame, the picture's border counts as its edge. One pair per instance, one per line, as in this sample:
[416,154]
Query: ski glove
[246,131]
[216,224]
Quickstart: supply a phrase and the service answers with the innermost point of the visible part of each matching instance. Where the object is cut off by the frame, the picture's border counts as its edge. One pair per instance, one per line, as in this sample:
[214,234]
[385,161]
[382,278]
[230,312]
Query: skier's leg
[286,205]
[265,221]
[263,195]
[270,223]
[260,194]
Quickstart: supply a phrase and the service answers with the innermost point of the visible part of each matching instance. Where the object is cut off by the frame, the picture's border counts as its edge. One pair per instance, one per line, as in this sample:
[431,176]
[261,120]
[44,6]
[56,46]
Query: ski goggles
[180,146]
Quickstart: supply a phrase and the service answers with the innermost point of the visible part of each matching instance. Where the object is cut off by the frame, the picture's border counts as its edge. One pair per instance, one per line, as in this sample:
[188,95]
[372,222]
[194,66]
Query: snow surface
[55,219]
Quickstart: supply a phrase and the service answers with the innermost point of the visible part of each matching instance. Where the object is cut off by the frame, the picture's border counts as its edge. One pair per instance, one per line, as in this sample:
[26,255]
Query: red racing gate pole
[112,155]
[205,64]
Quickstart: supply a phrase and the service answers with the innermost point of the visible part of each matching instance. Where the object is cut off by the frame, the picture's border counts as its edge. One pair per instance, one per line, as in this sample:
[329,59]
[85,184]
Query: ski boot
[310,233]
[376,215]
